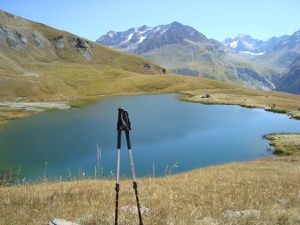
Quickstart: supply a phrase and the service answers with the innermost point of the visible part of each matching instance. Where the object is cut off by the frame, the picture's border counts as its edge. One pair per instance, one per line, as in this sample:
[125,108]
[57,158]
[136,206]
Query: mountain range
[184,50]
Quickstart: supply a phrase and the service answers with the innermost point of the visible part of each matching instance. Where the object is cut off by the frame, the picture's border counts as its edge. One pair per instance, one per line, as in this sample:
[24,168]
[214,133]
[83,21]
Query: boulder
[244,213]
[134,210]
[61,222]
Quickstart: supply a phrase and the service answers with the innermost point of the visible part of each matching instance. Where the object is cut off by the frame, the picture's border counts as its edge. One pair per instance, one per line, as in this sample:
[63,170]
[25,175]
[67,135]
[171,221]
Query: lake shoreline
[183,107]
[206,101]
[182,96]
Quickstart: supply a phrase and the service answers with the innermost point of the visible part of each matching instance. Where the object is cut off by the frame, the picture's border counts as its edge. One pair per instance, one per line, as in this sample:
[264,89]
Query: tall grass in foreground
[271,186]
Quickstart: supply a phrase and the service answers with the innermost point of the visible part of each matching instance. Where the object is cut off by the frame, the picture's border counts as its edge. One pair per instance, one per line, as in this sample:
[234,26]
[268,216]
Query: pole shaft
[137,202]
[118,165]
[117,203]
[133,176]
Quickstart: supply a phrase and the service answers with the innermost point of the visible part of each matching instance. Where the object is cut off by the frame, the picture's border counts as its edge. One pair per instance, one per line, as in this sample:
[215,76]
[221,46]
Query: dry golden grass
[202,196]
[7,114]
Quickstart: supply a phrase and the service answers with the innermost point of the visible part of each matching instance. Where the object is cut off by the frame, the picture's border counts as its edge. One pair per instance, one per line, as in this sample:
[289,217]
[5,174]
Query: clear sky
[216,19]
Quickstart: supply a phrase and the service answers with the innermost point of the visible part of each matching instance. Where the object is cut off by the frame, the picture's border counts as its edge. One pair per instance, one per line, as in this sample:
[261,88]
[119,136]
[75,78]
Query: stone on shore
[61,222]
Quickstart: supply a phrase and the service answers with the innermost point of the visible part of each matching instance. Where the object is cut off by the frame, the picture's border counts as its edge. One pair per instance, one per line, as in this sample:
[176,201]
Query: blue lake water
[165,132]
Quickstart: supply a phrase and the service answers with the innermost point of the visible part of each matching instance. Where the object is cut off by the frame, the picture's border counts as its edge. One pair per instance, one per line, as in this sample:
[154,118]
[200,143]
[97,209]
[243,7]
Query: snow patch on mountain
[141,39]
[251,53]
[234,44]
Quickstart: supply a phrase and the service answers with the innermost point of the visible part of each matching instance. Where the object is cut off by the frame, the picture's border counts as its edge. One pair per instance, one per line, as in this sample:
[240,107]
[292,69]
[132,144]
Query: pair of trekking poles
[123,124]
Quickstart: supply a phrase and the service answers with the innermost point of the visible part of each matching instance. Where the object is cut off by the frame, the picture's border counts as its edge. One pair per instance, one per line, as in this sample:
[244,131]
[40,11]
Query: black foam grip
[128,139]
[119,140]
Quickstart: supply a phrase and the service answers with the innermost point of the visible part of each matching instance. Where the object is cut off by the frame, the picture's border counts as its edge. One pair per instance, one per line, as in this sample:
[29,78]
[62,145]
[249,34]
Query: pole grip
[119,140]
[128,139]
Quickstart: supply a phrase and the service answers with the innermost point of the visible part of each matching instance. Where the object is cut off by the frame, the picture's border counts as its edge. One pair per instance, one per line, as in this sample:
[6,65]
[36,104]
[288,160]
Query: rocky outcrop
[38,39]
[13,38]
[80,43]
[83,46]
[251,77]
[59,41]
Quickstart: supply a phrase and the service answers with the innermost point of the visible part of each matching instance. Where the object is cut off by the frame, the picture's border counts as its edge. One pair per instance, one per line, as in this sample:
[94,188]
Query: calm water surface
[165,132]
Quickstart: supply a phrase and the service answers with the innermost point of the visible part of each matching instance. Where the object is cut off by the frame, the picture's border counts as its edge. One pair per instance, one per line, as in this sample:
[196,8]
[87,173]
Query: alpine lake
[168,136]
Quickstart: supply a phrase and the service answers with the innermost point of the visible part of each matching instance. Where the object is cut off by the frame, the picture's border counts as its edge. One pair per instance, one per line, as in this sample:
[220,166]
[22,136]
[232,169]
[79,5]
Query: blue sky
[216,19]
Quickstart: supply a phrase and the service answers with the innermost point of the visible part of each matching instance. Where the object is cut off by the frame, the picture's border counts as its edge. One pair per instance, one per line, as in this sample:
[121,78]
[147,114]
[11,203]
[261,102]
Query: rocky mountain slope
[184,50]
[245,44]
[291,81]
[278,52]
[281,54]
[143,39]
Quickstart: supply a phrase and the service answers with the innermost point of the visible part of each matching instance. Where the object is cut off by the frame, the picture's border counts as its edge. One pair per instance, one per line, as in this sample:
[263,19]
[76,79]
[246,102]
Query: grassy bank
[285,144]
[202,196]
[277,102]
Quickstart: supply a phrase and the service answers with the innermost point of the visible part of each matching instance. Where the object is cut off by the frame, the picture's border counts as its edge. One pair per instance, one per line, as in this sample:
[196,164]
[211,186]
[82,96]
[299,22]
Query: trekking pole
[118,176]
[124,124]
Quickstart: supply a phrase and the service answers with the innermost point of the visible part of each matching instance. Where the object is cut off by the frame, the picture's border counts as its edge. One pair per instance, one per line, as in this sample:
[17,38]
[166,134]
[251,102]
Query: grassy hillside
[37,61]
[265,192]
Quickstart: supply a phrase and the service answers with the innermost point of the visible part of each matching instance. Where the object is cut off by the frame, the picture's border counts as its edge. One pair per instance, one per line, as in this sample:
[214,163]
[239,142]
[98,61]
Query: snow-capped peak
[144,38]
[111,34]
[244,43]
[234,44]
